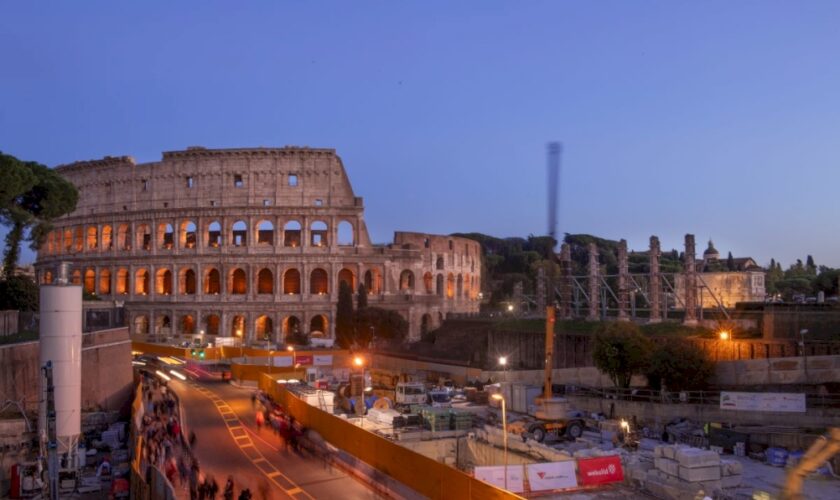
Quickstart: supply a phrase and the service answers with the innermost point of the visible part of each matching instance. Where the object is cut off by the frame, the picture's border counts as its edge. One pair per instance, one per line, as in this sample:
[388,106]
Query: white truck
[410,393]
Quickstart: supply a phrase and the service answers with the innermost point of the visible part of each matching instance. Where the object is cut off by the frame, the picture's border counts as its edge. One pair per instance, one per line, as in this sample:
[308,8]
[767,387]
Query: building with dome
[248,243]
[722,286]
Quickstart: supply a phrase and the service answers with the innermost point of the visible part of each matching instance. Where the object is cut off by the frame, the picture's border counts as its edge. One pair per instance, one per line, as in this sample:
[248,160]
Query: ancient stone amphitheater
[248,243]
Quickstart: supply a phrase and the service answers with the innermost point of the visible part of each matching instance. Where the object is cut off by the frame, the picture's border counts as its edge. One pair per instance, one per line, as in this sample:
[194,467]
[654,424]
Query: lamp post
[270,361]
[359,392]
[503,364]
[802,333]
[291,349]
[499,397]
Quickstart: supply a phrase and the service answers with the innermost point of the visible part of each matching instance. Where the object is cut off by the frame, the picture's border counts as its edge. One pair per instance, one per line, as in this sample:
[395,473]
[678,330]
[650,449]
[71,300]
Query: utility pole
[554,151]
[52,444]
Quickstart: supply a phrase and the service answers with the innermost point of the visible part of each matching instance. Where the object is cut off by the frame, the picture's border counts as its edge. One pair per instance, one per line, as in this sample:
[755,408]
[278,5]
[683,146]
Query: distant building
[721,286]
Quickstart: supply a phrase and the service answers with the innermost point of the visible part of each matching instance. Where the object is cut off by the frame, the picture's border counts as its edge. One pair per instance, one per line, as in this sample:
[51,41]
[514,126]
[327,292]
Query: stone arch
[163,282]
[439,285]
[104,282]
[460,286]
[141,324]
[346,234]
[90,281]
[239,233]
[143,237]
[319,282]
[78,239]
[425,324]
[123,237]
[265,281]
[373,281]
[186,281]
[292,234]
[92,238]
[141,282]
[165,236]
[238,282]
[123,281]
[214,234]
[47,277]
[347,276]
[51,242]
[291,282]
[211,324]
[107,237]
[68,240]
[212,281]
[291,325]
[318,232]
[238,326]
[450,286]
[186,324]
[428,282]
[439,263]
[264,328]
[265,233]
[76,277]
[163,324]
[318,326]
[188,234]
[467,286]
[406,280]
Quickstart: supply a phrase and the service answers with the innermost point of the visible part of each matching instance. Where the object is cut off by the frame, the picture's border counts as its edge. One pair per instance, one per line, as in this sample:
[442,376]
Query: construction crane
[823,449]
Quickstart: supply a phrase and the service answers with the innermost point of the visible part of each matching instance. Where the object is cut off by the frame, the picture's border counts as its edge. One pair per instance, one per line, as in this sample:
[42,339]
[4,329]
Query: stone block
[710,487]
[697,474]
[669,452]
[695,457]
[730,467]
[731,481]
[667,465]
[659,451]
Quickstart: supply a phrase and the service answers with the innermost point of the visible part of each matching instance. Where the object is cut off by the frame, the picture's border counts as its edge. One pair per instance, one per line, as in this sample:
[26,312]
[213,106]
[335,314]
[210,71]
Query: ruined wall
[729,288]
[106,371]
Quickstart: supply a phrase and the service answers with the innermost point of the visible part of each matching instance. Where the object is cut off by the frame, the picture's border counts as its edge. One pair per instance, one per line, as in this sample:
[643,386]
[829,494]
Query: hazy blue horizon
[718,119]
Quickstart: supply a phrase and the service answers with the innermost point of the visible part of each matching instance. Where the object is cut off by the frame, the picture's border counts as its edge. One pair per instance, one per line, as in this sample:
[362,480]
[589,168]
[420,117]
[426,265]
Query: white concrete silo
[61,344]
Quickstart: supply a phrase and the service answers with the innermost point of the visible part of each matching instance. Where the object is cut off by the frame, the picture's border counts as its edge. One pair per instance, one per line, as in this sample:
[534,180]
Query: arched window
[239,282]
[265,233]
[104,282]
[186,281]
[163,282]
[78,239]
[239,234]
[212,282]
[427,282]
[406,280]
[76,278]
[318,326]
[264,328]
[141,282]
[143,237]
[291,282]
[291,234]
[68,240]
[345,234]
[123,281]
[90,281]
[373,281]
[347,276]
[211,324]
[187,324]
[51,242]
[265,281]
[425,324]
[187,234]
[214,235]
[92,239]
[439,263]
[123,237]
[467,286]
[166,236]
[237,326]
[450,286]
[47,278]
[460,286]
[163,325]
[439,285]
[318,234]
[107,238]
[291,326]
[318,282]
[141,324]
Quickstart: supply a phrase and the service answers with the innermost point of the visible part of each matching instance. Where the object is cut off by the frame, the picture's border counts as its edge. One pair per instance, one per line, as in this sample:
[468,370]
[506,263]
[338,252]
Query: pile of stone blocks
[695,468]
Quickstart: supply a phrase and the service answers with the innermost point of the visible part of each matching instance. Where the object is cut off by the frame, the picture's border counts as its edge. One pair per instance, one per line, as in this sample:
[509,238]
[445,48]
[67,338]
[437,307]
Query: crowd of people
[271,414]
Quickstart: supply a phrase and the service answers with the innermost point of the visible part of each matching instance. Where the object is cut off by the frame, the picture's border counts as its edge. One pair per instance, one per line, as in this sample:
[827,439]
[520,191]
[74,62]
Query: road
[228,443]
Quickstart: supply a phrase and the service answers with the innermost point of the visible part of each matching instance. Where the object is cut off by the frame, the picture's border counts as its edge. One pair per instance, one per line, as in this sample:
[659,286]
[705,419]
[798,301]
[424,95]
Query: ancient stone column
[623,281]
[565,281]
[594,285]
[541,291]
[518,292]
[655,290]
[690,274]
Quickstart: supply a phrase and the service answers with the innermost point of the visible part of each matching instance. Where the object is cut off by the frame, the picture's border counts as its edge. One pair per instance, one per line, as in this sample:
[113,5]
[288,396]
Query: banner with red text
[600,470]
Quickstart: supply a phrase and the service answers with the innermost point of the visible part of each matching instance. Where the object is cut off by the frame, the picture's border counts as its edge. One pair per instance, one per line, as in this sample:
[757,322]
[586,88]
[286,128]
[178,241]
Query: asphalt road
[229,444]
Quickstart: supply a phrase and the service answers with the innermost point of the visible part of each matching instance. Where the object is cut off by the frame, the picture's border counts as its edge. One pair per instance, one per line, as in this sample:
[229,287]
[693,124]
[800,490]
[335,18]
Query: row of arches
[262,328]
[144,236]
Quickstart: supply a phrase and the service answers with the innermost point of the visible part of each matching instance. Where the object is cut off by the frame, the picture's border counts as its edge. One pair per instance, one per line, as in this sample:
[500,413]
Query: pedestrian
[253,400]
[260,420]
[228,493]
[192,439]
[212,488]
[194,482]
[245,494]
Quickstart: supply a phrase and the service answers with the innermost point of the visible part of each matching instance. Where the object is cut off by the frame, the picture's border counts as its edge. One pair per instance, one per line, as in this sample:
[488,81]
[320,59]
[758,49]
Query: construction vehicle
[819,453]
[410,393]
[554,415]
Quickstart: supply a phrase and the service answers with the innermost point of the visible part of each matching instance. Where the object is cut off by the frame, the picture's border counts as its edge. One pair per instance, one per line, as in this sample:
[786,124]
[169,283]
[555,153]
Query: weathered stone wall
[106,371]
[785,321]
[727,287]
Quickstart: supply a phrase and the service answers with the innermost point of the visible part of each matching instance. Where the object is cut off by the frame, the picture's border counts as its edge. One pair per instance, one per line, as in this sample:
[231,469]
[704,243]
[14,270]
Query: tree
[18,293]
[344,334]
[621,351]
[810,266]
[679,365]
[31,197]
[730,262]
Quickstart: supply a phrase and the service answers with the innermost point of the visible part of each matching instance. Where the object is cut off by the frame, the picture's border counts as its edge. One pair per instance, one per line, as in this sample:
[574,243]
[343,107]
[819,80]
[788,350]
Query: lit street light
[724,335]
[499,397]
[503,364]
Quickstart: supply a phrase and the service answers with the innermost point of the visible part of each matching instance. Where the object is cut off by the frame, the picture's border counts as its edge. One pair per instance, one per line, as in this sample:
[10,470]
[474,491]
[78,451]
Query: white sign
[323,360]
[552,475]
[282,361]
[495,475]
[763,401]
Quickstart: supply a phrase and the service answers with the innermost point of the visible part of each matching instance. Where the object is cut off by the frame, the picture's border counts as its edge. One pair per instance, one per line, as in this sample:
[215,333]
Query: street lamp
[499,397]
[270,361]
[291,349]
[724,335]
[359,386]
[503,364]
[510,307]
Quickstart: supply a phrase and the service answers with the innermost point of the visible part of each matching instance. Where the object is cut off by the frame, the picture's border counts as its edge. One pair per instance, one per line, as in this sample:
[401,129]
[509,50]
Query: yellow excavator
[823,449]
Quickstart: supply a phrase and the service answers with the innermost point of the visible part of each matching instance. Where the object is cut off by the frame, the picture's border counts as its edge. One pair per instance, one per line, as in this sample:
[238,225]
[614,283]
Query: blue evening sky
[720,119]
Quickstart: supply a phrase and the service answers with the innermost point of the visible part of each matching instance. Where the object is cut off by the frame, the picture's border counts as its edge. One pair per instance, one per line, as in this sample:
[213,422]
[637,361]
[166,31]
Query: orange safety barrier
[419,472]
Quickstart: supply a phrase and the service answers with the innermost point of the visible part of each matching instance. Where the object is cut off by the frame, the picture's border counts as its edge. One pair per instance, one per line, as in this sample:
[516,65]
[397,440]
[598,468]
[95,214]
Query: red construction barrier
[600,470]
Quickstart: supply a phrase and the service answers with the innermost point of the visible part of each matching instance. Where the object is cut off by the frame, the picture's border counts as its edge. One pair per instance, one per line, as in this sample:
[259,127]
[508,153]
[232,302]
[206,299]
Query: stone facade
[246,242]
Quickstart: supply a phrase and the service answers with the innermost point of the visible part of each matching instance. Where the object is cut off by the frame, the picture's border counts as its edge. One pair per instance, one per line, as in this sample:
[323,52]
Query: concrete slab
[667,465]
[697,474]
[695,457]
[731,481]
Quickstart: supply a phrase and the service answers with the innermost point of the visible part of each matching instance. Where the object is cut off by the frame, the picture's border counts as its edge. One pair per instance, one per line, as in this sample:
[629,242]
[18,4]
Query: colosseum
[248,243]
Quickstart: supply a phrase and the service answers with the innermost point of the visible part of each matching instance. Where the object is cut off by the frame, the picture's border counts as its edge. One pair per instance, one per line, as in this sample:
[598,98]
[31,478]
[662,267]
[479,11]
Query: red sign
[304,359]
[600,470]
